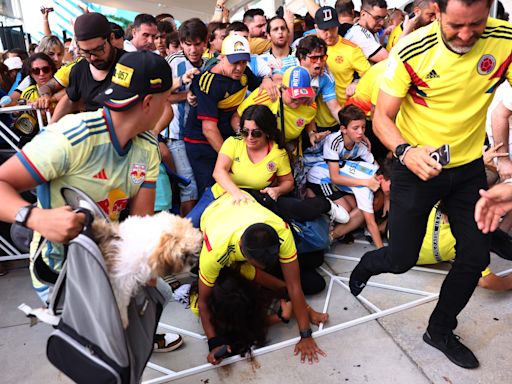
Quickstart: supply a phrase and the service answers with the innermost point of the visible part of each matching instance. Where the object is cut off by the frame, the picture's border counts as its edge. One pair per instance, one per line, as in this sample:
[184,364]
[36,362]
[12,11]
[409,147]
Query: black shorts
[326,190]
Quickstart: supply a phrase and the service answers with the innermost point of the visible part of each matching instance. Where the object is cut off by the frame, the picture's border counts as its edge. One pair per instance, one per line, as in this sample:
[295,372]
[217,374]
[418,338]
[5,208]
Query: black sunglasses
[256,133]
[37,70]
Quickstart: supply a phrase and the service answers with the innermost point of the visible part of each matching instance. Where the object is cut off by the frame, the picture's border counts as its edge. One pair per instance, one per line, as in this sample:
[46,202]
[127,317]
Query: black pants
[411,202]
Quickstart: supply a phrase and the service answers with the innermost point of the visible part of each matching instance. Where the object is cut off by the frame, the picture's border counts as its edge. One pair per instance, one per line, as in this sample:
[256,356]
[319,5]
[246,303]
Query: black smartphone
[222,352]
[442,154]
[411,15]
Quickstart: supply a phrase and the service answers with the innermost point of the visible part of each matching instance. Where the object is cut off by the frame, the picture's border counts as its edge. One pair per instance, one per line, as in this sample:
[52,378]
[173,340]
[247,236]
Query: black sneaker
[356,283]
[454,350]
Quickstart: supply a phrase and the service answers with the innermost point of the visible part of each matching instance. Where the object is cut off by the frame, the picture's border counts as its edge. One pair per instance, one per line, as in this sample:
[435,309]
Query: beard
[105,64]
[449,42]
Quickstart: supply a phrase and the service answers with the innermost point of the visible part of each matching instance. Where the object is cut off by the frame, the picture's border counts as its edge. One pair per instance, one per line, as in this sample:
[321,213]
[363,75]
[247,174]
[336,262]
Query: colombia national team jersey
[223,224]
[218,97]
[445,94]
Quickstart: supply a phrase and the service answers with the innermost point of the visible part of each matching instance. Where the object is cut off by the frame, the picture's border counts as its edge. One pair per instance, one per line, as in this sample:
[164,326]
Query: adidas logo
[236,159]
[433,75]
[101,175]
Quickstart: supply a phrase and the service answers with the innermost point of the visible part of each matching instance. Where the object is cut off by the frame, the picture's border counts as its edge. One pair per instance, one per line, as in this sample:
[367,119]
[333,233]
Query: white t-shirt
[367,41]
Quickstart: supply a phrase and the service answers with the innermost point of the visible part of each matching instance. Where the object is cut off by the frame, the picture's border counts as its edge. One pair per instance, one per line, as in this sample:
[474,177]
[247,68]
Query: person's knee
[312,282]
[402,266]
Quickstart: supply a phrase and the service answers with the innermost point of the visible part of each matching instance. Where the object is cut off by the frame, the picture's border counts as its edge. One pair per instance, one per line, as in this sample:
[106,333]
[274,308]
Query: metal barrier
[11,138]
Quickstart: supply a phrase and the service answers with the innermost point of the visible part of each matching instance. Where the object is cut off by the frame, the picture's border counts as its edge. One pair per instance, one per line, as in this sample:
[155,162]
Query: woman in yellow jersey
[41,70]
[256,165]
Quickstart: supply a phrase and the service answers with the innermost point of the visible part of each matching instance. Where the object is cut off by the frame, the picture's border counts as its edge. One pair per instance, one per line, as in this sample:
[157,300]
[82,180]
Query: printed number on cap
[327,14]
[123,75]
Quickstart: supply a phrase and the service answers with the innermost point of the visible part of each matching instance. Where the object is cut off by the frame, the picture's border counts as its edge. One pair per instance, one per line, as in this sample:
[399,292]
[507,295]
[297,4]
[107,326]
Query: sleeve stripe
[202,117]
[31,168]
[150,184]
[289,258]
[205,280]
[207,243]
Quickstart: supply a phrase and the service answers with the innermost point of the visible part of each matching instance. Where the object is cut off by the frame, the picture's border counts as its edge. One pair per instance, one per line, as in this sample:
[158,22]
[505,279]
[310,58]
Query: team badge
[339,59]
[300,122]
[138,173]
[486,64]
[243,80]
[271,166]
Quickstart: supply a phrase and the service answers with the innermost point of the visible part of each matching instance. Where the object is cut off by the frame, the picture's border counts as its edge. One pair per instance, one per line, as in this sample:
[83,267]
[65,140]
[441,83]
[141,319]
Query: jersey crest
[138,173]
[486,64]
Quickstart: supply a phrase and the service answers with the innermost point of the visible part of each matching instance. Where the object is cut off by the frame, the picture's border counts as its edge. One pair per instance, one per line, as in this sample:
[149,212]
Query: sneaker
[454,350]
[337,213]
[166,342]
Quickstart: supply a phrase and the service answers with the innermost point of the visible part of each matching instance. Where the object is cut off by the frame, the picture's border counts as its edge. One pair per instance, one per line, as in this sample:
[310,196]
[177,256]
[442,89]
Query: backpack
[312,235]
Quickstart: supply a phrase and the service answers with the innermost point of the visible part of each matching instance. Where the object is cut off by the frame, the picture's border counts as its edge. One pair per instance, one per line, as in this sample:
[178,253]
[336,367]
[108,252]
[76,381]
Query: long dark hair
[40,56]
[238,310]
[265,120]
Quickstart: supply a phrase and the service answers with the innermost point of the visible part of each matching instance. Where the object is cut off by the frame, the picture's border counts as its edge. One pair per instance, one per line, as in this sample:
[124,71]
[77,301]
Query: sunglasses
[317,58]
[256,133]
[37,70]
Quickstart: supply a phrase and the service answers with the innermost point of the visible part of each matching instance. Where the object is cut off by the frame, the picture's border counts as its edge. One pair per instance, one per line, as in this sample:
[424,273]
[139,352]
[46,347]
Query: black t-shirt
[343,29]
[83,86]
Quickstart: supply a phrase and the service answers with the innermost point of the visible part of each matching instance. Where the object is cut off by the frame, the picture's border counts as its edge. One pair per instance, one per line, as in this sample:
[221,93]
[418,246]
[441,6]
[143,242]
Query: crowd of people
[261,128]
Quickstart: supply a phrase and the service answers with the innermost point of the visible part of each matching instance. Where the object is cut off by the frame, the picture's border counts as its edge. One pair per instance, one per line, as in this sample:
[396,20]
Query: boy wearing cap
[255,239]
[219,91]
[298,110]
[89,77]
[107,153]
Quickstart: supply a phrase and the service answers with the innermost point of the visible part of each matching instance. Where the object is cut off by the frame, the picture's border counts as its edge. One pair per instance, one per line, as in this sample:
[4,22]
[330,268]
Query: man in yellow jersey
[344,58]
[106,153]
[256,239]
[436,90]
[424,14]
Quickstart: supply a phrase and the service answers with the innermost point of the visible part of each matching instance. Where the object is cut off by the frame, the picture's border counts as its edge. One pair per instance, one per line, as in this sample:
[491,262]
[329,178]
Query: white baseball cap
[236,48]
[13,63]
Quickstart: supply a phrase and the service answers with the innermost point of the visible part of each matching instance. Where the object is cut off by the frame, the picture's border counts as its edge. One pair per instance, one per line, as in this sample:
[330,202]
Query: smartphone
[411,15]
[442,154]
[43,9]
[222,352]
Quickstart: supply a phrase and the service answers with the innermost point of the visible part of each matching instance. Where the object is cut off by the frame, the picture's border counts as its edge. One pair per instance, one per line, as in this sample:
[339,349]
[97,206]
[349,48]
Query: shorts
[326,190]
[183,168]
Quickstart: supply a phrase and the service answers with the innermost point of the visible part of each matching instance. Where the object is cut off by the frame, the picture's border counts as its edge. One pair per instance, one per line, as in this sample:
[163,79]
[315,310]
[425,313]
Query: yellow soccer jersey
[82,151]
[345,58]
[245,173]
[295,120]
[446,95]
[62,75]
[393,36]
[30,93]
[367,86]
[439,244]
[223,224]
[259,45]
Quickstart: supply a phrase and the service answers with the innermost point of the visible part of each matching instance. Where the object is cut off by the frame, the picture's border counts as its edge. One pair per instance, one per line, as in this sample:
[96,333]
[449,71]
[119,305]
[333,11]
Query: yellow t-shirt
[439,244]
[245,173]
[446,95]
[295,120]
[368,88]
[345,58]
[62,75]
[393,36]
[259,45]
[223,224]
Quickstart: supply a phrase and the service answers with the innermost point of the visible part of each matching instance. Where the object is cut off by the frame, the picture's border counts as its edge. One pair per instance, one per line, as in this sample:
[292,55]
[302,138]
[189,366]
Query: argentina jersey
[179,65]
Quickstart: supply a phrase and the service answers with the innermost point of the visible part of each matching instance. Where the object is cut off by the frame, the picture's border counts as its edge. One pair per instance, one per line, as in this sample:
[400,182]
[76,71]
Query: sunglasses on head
[256,133]
[37,70]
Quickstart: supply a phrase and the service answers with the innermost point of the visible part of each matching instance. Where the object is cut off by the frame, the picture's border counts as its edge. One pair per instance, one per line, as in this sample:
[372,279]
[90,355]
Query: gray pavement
[387,350]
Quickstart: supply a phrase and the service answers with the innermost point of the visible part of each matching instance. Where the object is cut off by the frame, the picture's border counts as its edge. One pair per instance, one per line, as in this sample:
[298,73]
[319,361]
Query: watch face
[399,151]
[21,215]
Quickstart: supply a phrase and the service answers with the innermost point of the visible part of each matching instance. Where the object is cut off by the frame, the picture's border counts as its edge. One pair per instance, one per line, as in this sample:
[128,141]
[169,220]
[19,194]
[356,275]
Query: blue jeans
[183,168]
[195,214]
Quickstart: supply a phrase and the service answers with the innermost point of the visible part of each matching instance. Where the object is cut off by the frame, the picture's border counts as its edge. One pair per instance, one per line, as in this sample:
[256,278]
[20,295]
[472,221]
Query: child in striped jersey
[347,174]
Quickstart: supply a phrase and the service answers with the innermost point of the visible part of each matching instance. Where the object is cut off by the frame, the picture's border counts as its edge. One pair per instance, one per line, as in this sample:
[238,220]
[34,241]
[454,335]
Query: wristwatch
[400,150]
[305,334]
[23,214]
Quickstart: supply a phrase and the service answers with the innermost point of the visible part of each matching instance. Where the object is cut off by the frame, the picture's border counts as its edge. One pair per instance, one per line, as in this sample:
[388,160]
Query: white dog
[141,248]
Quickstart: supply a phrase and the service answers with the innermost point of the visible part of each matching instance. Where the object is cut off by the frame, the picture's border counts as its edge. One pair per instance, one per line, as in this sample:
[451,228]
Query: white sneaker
[338,213]
[166,342]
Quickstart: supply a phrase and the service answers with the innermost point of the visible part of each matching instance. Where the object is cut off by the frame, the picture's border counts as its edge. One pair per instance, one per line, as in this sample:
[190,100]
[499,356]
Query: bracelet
[279,314]
[214,342]
[401,158]
[305,334]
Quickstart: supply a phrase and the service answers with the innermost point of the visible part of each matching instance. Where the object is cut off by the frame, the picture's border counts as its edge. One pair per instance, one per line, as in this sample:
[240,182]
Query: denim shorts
[183,168]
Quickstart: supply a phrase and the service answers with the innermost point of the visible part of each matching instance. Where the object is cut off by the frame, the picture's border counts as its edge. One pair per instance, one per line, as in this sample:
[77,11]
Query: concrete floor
[387,350]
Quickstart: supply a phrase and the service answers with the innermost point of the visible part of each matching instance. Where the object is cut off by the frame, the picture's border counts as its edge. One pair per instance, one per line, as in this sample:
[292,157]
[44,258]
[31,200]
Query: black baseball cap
[136,75]
[91,25]
[326,17]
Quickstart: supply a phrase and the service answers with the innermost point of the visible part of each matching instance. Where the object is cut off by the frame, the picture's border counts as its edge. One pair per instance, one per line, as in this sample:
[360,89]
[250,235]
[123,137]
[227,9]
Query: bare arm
[379,56]
[312,7]
[334,107]
[64,107]
[143,203]
[221,176]
[284,185]
[178,97]
[212,134]
[46,92]
[373,228]
[336,178]
[46,24]
[418,159]
[218,11]
[500,131]
[58,224]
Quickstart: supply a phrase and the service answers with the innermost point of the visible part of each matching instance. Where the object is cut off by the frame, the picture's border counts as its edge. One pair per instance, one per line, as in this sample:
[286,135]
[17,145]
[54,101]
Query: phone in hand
[221,353]
[442,154]
[411,15]
[46,9]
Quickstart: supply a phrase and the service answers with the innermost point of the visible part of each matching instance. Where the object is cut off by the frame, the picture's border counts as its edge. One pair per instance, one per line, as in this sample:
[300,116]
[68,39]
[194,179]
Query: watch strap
[305,334]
